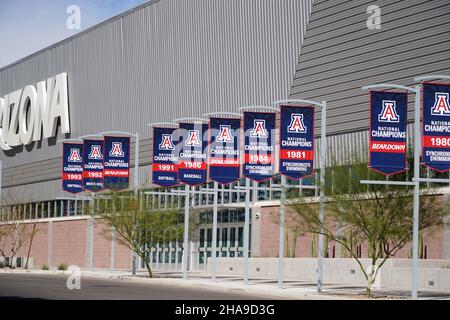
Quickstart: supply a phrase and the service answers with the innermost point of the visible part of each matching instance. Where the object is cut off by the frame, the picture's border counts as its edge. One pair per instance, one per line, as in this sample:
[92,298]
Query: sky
[27,26]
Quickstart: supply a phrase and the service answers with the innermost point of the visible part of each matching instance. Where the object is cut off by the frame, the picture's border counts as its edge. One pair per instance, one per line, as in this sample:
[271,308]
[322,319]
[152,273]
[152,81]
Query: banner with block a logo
[224,149]
[72,167]
[93,165]
[193,146]
[436,126]
[165,159]
[296,141]
[117,163]
[388,118]
[259,145]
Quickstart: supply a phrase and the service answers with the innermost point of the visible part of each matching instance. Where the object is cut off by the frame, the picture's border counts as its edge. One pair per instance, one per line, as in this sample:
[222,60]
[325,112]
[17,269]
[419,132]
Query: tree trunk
[370,280]
[149,269]
[29,247]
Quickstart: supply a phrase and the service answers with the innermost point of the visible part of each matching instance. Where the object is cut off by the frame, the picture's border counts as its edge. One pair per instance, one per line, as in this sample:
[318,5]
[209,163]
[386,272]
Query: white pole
[214,235]
[323,157]
[186,233]
[1,207]
[282,230]
[417,147]
[113,248]
[136,186]
[246,230]
[136,162]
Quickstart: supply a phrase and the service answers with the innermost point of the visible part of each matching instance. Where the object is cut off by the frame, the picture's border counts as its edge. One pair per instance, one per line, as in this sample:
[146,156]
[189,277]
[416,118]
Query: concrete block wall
[434,275]
[65,240]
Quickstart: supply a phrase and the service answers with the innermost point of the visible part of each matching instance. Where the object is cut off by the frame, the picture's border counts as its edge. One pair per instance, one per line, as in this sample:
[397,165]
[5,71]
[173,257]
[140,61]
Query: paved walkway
[264,288]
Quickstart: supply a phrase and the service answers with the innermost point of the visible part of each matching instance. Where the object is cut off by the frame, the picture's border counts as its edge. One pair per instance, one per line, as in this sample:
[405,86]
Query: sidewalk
[262,288]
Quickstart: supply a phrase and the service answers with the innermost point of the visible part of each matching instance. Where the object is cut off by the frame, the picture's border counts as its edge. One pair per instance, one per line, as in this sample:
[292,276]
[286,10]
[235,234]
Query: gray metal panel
[164,60]
[340,54]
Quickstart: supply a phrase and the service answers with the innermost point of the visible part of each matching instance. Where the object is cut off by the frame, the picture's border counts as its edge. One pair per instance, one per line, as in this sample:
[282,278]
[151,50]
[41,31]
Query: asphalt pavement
[32,286]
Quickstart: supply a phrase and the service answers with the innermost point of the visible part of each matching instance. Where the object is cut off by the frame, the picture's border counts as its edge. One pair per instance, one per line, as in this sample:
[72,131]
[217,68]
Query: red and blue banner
[296,141]
[72,167]
[193,145]
[116,170]
[259,147]
[165,159]
[388,119]
[224,146]
[436,126]
[93,165]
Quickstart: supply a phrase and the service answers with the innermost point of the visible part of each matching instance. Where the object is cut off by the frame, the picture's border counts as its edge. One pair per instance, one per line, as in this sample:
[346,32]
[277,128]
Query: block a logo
[259,129]
[193,139]
[166,142]
[389,112]
[116,150]
[74,155]
[95,153]
[225,134]
[441,104]
[297,125]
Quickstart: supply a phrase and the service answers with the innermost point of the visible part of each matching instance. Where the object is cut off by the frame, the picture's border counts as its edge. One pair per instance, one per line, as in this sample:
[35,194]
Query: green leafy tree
[138,225]
[379,215]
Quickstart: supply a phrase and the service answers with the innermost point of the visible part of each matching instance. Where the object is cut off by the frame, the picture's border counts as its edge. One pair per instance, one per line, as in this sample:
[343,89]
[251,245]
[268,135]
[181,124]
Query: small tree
[379,215]
[138,226]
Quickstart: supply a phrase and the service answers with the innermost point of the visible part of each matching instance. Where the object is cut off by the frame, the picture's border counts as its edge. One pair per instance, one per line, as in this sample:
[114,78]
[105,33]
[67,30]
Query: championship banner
[192,157]
[296,141]
[259,145]
[72,167]
[388,117]
[165,161]
[224,159]
[436,126]
[93,165]
[117,163]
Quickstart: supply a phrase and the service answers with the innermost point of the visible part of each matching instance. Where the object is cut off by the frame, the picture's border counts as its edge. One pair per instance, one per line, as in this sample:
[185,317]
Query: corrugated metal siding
[339,55]
[165,60]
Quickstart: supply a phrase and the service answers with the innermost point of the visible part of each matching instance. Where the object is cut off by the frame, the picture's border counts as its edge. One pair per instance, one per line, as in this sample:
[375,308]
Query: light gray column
[90,243]
[50,244]
[282,231]
[246,231]
[113,248]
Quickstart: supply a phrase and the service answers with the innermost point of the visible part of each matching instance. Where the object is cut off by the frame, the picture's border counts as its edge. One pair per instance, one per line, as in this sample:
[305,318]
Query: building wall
[65,240]
[164,60]
[340,55]
[266,245]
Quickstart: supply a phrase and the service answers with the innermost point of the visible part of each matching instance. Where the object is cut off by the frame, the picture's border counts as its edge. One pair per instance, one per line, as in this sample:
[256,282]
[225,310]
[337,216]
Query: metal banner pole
[186,233]
[323,157]
[113,248]
[136,162]
[417,146]
[1,207]
[246,230]
[214,235]
[416,179]
[282,231]
[136,186]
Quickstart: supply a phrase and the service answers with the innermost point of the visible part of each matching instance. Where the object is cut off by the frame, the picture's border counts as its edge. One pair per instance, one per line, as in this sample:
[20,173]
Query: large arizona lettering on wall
[27,112]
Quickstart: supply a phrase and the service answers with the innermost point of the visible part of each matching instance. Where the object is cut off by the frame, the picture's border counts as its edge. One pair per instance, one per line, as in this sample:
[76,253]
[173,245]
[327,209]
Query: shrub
[62,266]
[44,267]
[2,264]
